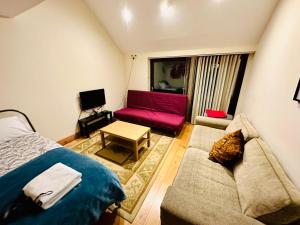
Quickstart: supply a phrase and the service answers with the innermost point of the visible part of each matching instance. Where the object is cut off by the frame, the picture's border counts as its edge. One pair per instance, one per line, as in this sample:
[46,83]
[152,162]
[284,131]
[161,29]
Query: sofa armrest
[218,123]
[182,208]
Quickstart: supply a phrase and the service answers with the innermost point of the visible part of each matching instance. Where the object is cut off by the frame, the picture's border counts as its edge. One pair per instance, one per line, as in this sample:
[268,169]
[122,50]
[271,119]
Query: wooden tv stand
[94,122]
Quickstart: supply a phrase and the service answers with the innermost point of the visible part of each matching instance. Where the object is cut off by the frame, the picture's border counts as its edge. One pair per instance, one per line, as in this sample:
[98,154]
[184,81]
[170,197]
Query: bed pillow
[12,127]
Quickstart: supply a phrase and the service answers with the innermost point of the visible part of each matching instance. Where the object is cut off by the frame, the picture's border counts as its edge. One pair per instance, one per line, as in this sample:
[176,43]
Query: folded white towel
[59,195]
[56,181]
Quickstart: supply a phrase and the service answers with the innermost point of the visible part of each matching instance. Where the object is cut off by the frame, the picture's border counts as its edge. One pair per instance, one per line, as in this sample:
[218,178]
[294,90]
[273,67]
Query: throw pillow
[215,113]
[229,149]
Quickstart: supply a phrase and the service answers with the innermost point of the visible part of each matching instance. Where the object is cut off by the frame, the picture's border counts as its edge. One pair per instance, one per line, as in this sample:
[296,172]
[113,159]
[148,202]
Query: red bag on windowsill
[215,113]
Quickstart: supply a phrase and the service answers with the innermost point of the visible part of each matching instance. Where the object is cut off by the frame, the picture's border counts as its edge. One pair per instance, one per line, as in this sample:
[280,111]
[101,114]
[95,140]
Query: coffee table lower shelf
[128,144]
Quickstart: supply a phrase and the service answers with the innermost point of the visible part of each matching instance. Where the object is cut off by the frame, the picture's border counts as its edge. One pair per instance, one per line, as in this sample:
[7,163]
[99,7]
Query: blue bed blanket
[81,206]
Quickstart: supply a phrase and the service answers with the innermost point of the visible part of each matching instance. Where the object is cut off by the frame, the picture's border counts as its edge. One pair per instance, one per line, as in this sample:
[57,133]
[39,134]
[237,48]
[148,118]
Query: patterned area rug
[115,153]
[136,177]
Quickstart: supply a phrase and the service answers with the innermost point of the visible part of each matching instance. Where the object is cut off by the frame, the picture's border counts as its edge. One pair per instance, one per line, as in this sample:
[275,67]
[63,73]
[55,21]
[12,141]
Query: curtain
[189,82]
[215,81]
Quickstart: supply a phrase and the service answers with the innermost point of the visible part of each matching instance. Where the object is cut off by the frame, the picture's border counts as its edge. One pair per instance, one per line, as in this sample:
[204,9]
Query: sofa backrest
[157,101]
[241,122]
[264,190]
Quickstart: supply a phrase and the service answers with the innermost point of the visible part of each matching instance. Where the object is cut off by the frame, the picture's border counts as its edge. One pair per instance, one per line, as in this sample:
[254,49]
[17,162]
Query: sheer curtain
[215,81]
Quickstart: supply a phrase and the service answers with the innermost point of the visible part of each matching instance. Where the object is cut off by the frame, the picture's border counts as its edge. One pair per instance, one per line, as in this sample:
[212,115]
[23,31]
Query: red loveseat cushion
[167,121]
[133,115]
[156,101]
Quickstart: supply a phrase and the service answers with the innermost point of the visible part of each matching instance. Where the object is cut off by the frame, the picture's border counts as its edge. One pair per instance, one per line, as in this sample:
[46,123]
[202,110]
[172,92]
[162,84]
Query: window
[167,75]
[210,82]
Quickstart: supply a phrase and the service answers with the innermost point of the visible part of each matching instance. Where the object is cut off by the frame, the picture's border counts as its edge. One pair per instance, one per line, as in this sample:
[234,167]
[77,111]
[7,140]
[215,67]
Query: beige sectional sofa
[255,191]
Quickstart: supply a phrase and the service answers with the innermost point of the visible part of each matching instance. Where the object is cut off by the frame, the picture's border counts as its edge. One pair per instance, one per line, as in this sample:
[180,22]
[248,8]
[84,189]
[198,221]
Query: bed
[24,154]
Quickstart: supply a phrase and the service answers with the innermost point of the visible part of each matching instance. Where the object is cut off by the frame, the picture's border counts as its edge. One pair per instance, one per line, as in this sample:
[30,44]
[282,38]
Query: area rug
[115,153]
[136,177]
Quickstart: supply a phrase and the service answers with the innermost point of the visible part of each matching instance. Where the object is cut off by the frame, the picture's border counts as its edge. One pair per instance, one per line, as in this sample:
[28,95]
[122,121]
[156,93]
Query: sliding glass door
[210,82]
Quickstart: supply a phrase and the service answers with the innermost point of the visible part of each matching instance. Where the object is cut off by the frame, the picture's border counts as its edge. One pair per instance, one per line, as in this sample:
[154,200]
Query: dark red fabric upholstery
[157,101]
[159,110]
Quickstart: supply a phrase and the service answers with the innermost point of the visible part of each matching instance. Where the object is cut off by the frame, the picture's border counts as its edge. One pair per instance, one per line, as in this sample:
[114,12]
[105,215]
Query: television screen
[92,99]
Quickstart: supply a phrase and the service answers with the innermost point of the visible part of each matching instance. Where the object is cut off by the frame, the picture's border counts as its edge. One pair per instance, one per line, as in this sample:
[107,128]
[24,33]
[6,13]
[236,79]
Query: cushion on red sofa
[167,121]
[215,113]
[133,115]
[157,101]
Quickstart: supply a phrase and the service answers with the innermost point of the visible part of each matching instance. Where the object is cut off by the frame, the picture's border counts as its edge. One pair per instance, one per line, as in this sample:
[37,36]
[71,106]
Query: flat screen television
[92,99]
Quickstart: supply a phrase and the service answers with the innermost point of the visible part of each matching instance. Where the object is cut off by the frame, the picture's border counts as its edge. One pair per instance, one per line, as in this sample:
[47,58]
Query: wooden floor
[149,213]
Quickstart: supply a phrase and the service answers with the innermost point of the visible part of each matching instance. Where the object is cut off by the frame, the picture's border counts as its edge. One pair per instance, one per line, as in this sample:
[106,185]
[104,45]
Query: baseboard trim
[68,139]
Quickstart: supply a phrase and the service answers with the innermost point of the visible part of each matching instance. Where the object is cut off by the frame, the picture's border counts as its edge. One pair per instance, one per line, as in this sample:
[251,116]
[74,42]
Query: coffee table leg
[102,139]
[136,151]
[148,137]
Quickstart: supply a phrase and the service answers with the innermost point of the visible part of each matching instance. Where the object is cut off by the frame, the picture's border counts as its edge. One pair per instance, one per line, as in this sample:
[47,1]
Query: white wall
[243,91]
[12,8]
[140,67]
[50,53]
[271,86]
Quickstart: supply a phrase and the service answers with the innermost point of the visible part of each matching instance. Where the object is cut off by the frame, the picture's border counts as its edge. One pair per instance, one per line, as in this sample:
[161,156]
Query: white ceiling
[192,24]
[11,8]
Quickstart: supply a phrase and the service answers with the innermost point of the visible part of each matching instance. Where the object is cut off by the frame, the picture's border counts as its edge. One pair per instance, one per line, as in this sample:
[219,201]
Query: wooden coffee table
[128,135]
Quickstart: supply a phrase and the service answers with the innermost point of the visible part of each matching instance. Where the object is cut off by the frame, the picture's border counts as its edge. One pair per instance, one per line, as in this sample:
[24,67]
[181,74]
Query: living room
[52,50]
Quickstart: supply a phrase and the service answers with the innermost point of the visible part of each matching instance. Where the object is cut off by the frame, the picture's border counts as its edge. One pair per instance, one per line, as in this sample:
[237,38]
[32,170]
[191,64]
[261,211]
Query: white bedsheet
[17,151]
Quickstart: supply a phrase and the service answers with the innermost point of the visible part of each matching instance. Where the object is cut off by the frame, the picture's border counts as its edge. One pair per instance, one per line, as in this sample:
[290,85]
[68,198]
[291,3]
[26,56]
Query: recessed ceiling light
[126,15]
[166,9]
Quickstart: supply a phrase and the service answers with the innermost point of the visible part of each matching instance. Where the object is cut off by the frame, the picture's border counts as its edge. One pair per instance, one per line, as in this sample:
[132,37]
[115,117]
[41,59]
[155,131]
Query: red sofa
[155,109]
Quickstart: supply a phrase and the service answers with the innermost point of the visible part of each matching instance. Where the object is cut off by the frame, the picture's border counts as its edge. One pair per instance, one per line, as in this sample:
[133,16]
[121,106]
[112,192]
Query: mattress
[17,151]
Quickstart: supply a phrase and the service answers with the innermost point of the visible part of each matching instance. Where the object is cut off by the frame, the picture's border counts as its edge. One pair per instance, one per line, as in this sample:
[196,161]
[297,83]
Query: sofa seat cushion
[156,119]
[133,115]
[204,137]
[157,101]
[207,180]
[241,122]
[181,207]
[265,191]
